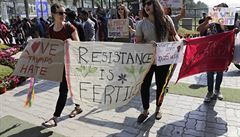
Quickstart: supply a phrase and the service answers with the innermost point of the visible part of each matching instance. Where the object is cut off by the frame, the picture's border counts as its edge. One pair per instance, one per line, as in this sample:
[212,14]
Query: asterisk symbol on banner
[122,78]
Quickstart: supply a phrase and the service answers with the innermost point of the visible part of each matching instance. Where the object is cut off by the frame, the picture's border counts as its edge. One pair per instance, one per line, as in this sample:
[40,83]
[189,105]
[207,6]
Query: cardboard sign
[118,28]
[224,16]
[42,58]
[109,74]
[169,53]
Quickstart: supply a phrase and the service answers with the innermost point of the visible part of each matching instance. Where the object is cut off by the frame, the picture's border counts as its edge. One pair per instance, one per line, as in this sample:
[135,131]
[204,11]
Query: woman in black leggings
[60,30]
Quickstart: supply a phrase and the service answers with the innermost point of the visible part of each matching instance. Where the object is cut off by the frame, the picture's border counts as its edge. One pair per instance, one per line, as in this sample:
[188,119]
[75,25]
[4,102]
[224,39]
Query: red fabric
[207,54]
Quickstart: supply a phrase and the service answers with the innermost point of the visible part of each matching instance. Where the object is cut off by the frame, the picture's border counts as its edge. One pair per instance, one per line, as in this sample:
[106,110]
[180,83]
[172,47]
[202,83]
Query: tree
[190,4]
[195,9]
[203,8]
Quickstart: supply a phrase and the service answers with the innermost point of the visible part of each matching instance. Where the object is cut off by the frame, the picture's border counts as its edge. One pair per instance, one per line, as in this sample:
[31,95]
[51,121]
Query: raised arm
[205,25]
[182,14]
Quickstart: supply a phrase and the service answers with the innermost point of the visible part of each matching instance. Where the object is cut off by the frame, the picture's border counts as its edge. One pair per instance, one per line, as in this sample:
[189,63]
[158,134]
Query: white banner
[42,58]
[236,58]
[118,28]
[224,16]
[109,74]
[169,53]
[171,3]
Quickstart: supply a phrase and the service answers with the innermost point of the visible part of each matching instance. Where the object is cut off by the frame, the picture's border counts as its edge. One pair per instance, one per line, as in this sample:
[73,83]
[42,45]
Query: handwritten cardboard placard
[118,28]
[42,58]
[107,73]
[224,16]
[169,53]
[171,3]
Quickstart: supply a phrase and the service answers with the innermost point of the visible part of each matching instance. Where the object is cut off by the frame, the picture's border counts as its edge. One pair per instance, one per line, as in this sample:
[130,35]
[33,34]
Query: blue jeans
[210,80]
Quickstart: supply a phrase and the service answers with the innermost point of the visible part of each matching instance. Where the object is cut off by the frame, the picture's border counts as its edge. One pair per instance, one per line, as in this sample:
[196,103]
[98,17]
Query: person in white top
[157,27]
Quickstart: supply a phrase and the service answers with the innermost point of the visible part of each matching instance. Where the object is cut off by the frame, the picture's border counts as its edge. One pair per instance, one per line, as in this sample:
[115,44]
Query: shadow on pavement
[129,127]
[234,73]
[195,86]
[138,99]
[201,79]
[11,126]
[40,86]
[9,129]
[200,122]
[32,132]
[146,126]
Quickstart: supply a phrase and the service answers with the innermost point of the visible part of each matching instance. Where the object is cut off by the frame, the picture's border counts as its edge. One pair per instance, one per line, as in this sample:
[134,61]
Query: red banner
[206,54]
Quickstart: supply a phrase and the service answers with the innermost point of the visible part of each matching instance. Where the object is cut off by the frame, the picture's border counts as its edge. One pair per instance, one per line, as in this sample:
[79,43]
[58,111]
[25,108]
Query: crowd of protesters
[91,26]
[20,30]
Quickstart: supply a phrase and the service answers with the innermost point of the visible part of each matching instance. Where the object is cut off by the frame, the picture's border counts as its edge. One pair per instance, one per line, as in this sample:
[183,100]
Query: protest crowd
[152,26]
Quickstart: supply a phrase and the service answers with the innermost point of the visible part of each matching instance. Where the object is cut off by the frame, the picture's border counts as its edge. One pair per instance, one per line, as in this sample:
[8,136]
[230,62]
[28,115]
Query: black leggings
[161,73]
[62,98]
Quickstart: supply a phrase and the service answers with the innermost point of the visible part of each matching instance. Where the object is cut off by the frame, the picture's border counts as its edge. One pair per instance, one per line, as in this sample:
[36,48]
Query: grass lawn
[231,95]
[5,71]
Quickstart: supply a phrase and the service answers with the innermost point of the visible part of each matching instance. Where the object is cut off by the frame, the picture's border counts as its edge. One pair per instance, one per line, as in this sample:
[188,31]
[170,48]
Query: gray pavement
[183,116]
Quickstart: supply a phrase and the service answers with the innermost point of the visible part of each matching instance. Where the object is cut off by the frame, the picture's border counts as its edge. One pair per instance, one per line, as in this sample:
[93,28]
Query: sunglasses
[61,13]
[148,3]
[120,8]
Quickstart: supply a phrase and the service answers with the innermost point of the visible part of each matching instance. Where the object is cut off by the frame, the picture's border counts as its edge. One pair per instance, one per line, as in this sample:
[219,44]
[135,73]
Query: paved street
[182,116]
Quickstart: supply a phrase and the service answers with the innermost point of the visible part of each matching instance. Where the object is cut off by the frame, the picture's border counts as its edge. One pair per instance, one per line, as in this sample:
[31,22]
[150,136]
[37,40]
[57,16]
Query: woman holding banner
[155,27]
[213,28]
[63,31]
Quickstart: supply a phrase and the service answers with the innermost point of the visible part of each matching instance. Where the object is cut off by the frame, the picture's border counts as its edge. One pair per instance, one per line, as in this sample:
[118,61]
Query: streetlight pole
[14,7]
[26,8]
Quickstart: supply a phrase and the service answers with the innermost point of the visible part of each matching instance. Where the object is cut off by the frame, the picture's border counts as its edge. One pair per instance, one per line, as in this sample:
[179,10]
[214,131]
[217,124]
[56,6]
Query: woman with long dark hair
[122,12]
[157,27]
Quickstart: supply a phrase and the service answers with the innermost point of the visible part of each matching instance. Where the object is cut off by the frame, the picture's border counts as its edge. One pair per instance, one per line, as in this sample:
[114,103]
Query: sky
[230,3]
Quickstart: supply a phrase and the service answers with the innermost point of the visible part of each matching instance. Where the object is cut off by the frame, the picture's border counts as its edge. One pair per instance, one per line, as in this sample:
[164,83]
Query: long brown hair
[160,20]
[126,11]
